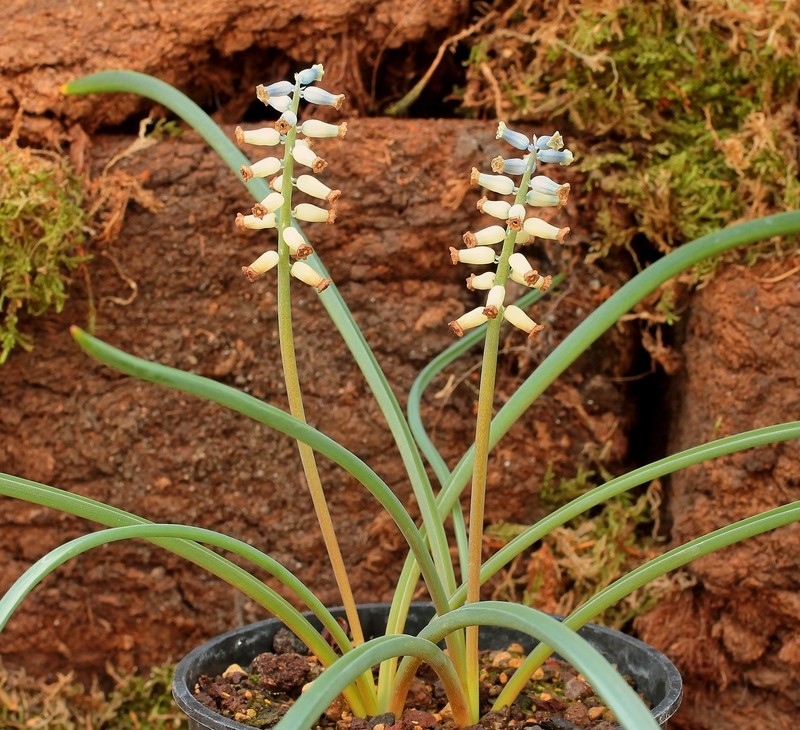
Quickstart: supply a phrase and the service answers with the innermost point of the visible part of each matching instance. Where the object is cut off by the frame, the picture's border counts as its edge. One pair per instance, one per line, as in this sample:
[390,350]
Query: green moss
[42,231]
[587,554]
[686,112]
[135,703]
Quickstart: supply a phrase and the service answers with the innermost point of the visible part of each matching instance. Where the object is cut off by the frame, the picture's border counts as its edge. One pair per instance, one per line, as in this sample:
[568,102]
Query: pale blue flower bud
[543,191]
[280,88]
[542,200]
[494,208]
[322,130]
[280,103]
[562,157]
[315,95]
[550,141]
[310,75]
[515,139]
[496,183]
[287,120]
[512,166]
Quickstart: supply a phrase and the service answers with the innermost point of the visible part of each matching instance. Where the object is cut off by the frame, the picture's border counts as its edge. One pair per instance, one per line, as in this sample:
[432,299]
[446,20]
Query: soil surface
[170,288]
[556,697]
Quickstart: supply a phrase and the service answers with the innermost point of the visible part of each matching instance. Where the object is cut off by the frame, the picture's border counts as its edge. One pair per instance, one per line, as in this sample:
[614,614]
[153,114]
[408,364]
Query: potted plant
[350,654]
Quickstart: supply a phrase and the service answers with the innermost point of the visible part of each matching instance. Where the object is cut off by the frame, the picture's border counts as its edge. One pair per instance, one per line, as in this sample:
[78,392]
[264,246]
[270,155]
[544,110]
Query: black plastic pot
[654,675]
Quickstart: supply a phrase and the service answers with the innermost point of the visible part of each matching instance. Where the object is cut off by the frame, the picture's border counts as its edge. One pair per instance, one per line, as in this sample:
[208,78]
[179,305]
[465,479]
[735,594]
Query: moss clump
[587,554]
[689,107]
[135,703]
[42,231]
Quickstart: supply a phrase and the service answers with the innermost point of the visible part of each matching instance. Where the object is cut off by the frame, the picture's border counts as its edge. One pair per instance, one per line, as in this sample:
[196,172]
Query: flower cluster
[276,209]
[535,191]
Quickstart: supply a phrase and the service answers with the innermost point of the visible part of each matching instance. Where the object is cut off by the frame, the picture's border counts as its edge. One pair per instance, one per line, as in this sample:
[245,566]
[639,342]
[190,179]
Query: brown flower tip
[563,194]
[318,165]
[469,282]
[456,327]
[531,277]
[303,252]
[259,211]
[545,283]
[247,172]
[535,330]
[322,285]
[239,222]
[515,223]
[454,259]
[239,134]
[251,274]
[497,164]
[562,234]
[333,196]
[262,94]
[490,312]
[483,200]
[470,240]
[331,215]
[342,129]
[283,126]
[473,176]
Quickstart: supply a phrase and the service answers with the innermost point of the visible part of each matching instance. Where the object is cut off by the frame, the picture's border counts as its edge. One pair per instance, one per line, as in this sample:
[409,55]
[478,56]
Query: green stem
[294,392]
[482,447]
